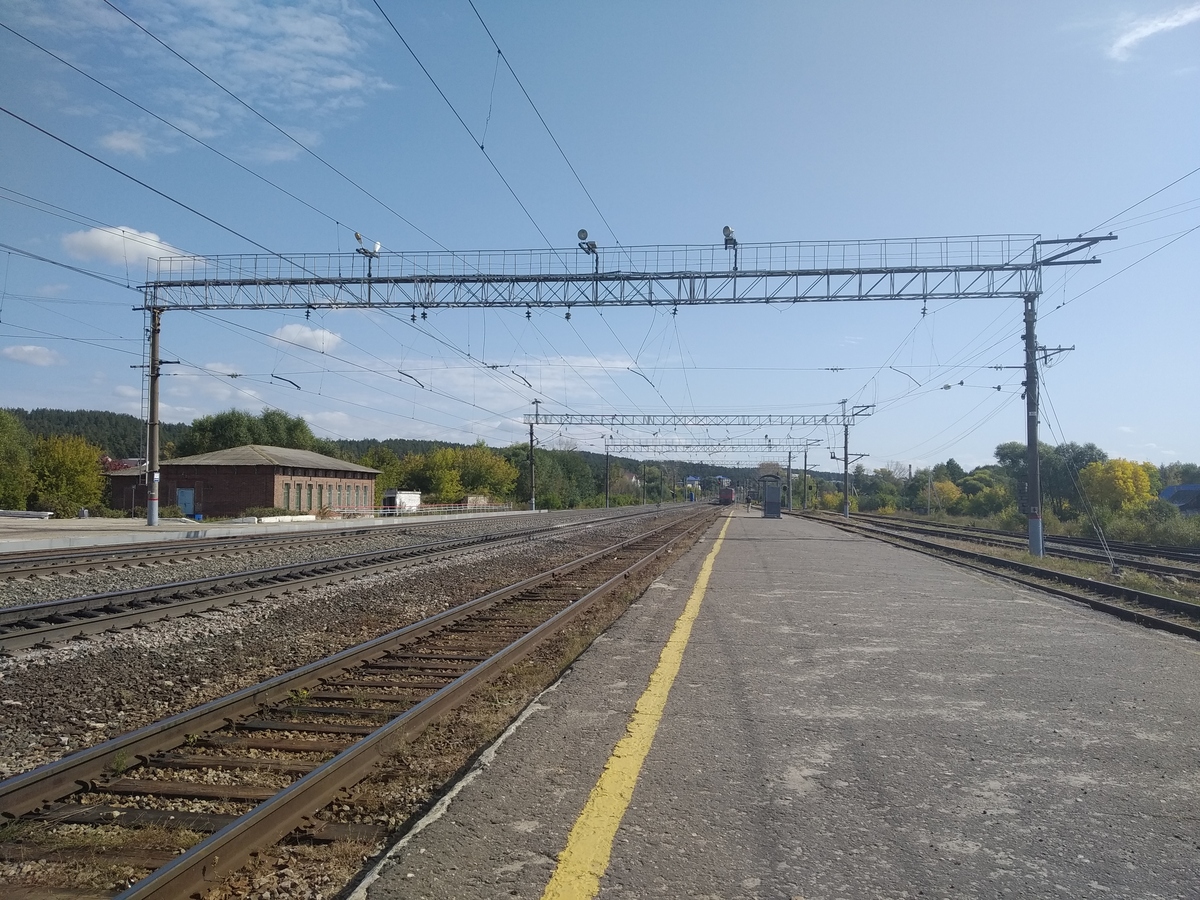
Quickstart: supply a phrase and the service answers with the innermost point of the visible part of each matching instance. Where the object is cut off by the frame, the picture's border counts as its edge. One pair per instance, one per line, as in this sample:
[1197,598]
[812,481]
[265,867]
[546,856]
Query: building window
[287,496]
[310,496]
[339,490]
[320,495]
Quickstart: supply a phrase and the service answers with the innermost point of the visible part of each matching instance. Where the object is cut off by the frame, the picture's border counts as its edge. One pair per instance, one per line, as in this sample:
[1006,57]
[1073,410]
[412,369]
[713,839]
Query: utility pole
[532,469]
[152,473]
[845,457]
[1034,491]
[643,482]
[789,481]
[607,469]
[804,497]
[845,463]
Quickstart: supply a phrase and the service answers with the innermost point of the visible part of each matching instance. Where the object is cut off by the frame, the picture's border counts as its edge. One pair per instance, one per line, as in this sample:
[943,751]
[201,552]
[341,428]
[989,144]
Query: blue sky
[787,121]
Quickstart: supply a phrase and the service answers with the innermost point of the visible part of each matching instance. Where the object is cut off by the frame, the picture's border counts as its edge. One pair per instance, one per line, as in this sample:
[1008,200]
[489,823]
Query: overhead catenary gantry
[924,269]
[973,267]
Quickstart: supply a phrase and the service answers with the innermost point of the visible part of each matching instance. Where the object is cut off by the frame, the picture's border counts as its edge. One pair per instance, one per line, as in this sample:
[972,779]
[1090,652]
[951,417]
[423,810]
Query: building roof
[1180,493]
[259,455]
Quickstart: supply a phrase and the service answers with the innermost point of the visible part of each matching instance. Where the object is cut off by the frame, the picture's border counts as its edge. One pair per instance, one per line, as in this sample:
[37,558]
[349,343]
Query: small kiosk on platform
[771,491]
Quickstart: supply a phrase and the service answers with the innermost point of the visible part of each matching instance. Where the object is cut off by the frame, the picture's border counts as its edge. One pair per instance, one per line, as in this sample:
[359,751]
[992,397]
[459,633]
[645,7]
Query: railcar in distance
[727,496]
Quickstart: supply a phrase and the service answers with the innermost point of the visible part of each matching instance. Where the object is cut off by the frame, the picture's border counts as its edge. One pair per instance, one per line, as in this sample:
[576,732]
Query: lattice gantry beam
[781,446]
[699,421]
[974,267]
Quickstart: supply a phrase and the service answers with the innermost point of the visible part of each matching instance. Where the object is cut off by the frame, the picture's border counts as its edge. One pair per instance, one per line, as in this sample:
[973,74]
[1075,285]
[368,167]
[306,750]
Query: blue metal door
[185,498]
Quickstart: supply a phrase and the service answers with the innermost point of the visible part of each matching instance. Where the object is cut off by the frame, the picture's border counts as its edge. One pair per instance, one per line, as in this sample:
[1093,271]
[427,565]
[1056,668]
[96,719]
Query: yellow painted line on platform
[589,845]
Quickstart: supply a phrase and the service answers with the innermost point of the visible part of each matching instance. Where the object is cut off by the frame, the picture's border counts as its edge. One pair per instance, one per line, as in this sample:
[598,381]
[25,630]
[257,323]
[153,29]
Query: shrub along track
[1152,610]
[256,765]
[42,624]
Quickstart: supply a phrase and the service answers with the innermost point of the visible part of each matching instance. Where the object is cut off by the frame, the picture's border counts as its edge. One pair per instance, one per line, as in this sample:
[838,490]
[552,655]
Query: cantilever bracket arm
[1074,245]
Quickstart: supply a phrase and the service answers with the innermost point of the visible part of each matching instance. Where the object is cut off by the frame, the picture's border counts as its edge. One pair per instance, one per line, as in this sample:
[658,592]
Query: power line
[270,123]
[141,183]
[1147,197]
[176,128]
[1177,238]
[63,265]
[465,126]
[538,113]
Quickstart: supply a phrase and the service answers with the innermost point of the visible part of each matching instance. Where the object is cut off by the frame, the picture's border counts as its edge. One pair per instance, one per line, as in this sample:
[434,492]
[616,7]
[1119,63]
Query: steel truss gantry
[699,421]
[787,445]
[978,267]
[924,269]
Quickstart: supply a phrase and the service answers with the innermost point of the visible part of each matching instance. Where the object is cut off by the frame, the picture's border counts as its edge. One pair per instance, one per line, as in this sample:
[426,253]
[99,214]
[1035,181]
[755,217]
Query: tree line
[57,464]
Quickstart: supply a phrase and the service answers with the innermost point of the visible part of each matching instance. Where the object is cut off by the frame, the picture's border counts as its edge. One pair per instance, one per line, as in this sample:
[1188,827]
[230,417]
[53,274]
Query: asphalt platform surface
[850,720]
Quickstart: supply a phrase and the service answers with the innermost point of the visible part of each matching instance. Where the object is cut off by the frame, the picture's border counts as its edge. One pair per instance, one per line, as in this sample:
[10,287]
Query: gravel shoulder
[54,702]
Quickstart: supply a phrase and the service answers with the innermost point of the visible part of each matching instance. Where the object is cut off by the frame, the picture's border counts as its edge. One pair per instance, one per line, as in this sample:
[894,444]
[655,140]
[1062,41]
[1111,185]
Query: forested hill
[355,450]
[120,434]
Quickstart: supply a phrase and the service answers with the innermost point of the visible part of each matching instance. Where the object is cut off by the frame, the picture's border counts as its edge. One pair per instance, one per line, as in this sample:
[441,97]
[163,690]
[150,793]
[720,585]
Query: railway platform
[23,535]
[797,712]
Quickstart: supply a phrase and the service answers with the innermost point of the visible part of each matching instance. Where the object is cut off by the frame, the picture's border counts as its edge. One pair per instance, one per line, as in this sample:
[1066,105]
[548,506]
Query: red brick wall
[220,490]
[231,490]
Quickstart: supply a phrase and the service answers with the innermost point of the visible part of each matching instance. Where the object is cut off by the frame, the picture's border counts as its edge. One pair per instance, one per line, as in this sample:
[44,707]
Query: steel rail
[1178,554]
[1007,538]
[990,564]
[230,847]
[42,624]
[27,791]
[21,564]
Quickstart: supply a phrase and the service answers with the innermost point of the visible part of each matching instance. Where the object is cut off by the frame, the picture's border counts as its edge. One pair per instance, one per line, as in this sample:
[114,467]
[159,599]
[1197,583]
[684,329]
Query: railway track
[1142,556]
[220,782]
[1151,610]
[1145,560]
[81,560]
[43,624]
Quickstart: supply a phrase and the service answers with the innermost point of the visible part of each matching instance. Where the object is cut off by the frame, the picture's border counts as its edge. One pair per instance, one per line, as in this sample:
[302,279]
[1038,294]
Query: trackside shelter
[771,494]
[227,482]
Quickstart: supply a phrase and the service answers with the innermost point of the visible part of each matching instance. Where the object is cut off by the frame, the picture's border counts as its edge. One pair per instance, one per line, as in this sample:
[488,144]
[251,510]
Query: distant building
[228,482]
[1185,497]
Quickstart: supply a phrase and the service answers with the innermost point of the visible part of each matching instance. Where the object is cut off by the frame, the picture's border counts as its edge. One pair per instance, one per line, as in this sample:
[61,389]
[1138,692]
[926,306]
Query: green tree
[235,428]
[16,476]
[67,475]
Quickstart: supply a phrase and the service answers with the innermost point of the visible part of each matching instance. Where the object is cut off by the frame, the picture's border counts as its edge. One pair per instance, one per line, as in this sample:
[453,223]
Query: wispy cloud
[318,339]
[291,61]
[128,142]
[1147,27]
[120,245]
[31,355]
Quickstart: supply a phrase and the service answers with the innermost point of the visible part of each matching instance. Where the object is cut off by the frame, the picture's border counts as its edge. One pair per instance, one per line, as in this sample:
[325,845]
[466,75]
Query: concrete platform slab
[20,535]
[851,720]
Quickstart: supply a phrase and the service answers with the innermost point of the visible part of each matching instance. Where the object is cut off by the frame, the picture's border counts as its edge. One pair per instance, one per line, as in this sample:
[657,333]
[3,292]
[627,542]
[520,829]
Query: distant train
[727,496]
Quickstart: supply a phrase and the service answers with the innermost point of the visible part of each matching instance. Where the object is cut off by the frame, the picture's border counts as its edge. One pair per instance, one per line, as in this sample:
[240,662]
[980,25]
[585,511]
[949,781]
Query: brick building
[228,482]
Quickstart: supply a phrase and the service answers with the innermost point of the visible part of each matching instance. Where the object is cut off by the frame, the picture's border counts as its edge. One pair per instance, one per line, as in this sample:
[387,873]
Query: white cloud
[32,355]
[1125,428]
[319,339]
[132,143]
[127,392]
[120,246]
[1142,29]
